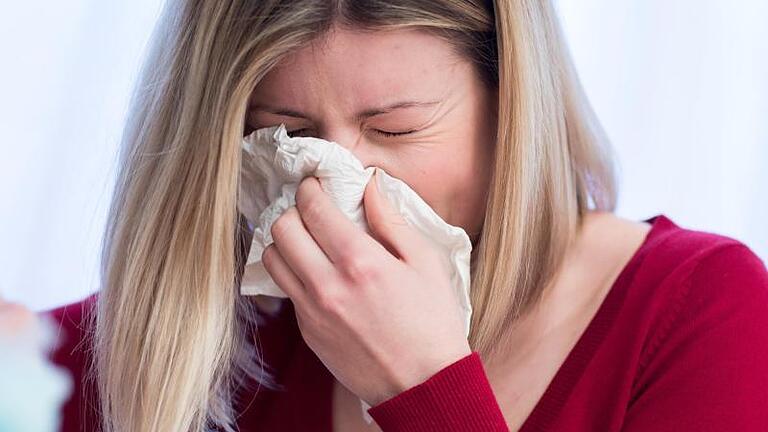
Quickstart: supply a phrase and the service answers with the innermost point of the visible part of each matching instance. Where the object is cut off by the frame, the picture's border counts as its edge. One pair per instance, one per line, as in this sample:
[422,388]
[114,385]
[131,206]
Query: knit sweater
[680,343]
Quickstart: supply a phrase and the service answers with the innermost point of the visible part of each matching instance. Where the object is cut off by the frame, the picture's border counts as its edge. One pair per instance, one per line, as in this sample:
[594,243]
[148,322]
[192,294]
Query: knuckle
[302,191]
[266,255]
[359,269]
[280,226]
[319,282]
[311,210]
[329,302]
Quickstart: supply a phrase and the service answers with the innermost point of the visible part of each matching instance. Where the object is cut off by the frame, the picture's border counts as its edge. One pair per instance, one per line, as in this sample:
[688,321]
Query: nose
[351,139]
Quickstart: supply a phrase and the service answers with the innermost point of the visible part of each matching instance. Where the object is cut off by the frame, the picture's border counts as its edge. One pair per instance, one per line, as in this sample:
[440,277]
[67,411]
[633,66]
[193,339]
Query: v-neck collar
[567,375]
[559,388]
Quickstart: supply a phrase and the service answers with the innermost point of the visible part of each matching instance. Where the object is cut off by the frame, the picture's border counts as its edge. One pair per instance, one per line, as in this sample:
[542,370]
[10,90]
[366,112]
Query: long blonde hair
[172,337]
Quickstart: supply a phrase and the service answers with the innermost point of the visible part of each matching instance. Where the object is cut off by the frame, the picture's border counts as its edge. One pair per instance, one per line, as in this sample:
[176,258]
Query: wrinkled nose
[352,140]
[344,136]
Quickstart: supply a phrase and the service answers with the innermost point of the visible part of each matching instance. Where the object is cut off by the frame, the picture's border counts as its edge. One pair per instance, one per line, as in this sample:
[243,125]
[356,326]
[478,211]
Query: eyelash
[384,133]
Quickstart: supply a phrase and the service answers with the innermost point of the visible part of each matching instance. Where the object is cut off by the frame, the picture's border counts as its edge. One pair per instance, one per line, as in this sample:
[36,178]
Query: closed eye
[391,134]
[380,132]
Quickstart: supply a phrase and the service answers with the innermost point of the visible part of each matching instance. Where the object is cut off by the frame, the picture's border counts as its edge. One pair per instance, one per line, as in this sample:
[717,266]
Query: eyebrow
[371,112]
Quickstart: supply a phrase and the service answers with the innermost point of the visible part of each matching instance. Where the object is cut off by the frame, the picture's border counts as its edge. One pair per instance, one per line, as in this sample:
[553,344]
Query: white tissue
[273,165]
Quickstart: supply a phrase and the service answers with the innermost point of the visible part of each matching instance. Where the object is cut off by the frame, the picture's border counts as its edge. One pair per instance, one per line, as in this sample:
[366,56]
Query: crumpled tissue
[273,164]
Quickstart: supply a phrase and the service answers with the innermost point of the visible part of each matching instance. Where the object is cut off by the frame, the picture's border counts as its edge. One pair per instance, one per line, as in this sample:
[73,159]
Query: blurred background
[681,88]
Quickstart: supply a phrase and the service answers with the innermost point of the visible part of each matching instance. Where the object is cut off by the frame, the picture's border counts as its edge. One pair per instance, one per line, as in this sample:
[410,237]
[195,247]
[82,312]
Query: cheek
[445,178]
[455,184]
[448,170]
[426,178]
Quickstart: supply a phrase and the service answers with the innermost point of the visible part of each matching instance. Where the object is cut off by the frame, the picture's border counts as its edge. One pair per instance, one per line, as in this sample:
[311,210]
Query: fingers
[299,250]
[282,274]
[336,235]
[390,228]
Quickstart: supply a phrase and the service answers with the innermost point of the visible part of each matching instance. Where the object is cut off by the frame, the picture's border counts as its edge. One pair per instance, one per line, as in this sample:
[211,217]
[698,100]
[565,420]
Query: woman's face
[357,89]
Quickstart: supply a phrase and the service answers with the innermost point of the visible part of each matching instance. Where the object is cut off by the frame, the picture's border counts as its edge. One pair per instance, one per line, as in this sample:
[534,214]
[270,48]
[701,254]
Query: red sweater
[680,343]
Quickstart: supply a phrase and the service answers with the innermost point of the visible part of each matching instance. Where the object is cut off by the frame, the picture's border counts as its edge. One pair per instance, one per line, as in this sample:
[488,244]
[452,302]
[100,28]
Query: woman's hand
[378,312]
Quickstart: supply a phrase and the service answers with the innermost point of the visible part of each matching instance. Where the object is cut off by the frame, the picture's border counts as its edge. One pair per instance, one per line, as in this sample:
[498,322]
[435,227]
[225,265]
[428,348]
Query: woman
[581,320]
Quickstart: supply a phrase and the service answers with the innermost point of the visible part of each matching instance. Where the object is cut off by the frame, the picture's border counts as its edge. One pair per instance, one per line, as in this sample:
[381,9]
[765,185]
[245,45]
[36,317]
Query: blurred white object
[682,90]
[33,389]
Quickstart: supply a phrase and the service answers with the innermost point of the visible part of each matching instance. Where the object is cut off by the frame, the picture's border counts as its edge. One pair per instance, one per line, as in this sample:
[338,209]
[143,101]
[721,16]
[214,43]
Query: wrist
[420,373]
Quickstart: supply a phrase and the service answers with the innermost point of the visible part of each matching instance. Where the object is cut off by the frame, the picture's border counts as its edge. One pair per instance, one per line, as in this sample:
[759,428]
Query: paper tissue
[273,165]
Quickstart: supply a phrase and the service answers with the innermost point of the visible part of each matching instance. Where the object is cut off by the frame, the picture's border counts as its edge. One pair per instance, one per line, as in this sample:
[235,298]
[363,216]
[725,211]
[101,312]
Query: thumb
[387,225]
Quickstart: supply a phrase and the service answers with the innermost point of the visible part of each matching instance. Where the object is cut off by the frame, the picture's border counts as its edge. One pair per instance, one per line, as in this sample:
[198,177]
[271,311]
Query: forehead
[364,67]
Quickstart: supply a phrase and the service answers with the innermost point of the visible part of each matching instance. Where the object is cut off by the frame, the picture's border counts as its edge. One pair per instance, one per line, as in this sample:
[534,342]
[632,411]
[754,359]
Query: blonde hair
[172,337]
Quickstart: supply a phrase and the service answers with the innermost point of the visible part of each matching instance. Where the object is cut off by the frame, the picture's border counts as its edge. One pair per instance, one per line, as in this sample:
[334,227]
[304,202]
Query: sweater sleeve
[79,412]
[707,369]
[457,398]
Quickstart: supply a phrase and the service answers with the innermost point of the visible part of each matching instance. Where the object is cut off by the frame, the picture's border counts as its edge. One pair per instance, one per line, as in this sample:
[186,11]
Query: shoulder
[684,280]
[72,351]
[707,294]
[721,283]
[688,269]
[678,256]
[713,276]
[705,297]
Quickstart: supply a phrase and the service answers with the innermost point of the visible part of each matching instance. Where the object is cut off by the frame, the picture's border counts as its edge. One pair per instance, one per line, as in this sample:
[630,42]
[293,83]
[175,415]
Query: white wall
[682,89]
[680,86]
[65,81]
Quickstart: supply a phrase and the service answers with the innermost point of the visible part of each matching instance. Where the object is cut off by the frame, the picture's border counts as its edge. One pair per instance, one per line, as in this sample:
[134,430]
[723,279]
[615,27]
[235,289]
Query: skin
[332,80]
[372,292]
[359,299]
[345,287]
